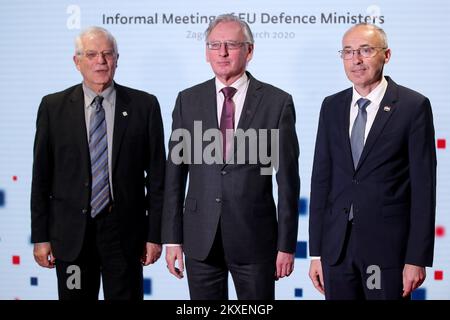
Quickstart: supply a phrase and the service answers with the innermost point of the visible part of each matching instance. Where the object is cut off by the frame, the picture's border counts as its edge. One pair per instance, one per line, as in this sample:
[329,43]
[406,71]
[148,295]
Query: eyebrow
[361,46]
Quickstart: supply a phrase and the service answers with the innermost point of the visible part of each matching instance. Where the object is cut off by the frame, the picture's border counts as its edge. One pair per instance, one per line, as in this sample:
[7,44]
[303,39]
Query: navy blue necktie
[98,149]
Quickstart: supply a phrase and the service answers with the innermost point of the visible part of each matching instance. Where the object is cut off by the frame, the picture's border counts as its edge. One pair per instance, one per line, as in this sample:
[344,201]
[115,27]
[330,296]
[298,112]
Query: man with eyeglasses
[229,220]
[98,178]
[373,185]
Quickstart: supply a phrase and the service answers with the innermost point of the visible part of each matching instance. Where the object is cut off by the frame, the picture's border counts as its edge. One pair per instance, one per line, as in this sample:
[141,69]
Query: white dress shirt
[375,97]
[241,85]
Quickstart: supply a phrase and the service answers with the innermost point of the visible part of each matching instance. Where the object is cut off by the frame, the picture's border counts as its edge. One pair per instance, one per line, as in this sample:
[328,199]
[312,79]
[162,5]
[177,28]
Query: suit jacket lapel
[251,102]
[208,103]
[345,124]
[77,114]
[121,116]
[381,118]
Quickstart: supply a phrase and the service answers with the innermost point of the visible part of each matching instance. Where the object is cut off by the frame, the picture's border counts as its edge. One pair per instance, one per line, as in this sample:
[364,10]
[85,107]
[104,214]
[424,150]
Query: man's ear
[387,55]
[251,48]
[76,60]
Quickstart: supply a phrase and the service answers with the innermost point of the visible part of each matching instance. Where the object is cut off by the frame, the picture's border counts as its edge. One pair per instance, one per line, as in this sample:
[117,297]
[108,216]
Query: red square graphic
[15,259]
[440,231]
[441,143]
[438,275]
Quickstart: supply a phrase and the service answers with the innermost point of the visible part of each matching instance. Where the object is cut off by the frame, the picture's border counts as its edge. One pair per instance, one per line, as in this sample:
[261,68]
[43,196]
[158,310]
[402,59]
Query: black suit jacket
[393,189]
[61,187]
[237,195]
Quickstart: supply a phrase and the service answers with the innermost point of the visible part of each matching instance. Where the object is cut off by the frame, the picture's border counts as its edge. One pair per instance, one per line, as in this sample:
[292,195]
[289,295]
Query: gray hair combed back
[230,18]
[94,30]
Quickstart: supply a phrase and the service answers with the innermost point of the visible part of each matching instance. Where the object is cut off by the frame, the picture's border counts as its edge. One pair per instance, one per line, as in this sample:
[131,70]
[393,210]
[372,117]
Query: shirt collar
[375,96]
[107,94]
[238,84]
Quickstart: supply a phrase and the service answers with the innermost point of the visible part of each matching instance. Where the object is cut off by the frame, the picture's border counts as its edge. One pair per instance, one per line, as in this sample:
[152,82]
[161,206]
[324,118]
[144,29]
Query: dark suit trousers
[351,279]
[208,279]
[101,257]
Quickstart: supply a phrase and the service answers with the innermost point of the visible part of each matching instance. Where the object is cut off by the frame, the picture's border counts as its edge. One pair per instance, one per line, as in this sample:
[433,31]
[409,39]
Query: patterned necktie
[227,121]
[358,130]
[98,149]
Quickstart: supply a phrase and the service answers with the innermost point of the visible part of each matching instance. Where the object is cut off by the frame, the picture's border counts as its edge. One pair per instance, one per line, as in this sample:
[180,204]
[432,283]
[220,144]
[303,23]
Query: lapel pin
[124,113]
[387,109]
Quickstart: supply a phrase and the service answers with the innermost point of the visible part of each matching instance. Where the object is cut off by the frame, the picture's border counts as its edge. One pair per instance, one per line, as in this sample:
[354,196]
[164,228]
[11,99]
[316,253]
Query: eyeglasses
[365,52]
[230,45]
[107,54]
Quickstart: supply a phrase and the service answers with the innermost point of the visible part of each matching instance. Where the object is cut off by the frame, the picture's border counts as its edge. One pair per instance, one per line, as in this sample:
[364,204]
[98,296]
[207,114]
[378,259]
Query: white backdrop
[161,50]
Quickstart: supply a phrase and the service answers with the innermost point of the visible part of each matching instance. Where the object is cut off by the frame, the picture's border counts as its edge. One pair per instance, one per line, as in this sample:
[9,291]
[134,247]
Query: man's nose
[101,58]
[223,50]
[357,58]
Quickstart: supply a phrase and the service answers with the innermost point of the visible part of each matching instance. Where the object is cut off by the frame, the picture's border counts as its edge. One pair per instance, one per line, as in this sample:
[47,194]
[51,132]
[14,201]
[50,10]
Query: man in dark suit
[373,189]
[229,220]
[98,179]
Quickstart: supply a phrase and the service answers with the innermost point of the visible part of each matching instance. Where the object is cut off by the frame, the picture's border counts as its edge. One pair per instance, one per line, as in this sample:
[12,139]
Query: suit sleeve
[288,180]
[422,172]
[42,177]
[175,185]
[320,186]
[155,173]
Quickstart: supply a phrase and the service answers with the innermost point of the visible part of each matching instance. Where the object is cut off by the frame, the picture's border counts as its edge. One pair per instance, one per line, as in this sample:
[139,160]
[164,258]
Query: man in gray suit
[229,222]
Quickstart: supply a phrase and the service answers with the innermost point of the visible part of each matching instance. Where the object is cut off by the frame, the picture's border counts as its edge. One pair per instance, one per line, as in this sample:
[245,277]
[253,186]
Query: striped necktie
[98,149]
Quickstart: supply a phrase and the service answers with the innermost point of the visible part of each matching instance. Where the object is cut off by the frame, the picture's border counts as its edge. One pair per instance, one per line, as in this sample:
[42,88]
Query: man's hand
[284,264]
[174,253]
[151,253]
[43,255]
[316,275]
[413,277]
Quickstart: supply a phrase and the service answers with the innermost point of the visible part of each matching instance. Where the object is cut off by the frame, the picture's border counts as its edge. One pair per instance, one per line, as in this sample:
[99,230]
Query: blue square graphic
[147,286]
[300,252]
[33,281]
[419,294]
[302,206]
[298,292]
[2,198]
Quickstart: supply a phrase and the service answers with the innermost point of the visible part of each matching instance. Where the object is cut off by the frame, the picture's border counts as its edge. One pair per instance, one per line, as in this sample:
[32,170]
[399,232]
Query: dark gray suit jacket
[234,197]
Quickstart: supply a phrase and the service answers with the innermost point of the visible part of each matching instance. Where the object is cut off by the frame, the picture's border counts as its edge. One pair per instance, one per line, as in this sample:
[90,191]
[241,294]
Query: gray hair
[230,18]
[379,30]
[94,30]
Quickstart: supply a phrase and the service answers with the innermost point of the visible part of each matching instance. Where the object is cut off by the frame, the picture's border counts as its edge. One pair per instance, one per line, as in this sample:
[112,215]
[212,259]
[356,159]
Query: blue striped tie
[98,149]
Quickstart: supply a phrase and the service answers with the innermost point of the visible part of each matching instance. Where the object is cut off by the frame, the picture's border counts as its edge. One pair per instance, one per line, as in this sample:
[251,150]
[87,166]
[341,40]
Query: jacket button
[84,211]
[223,173]
[218,200]
[86,184]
